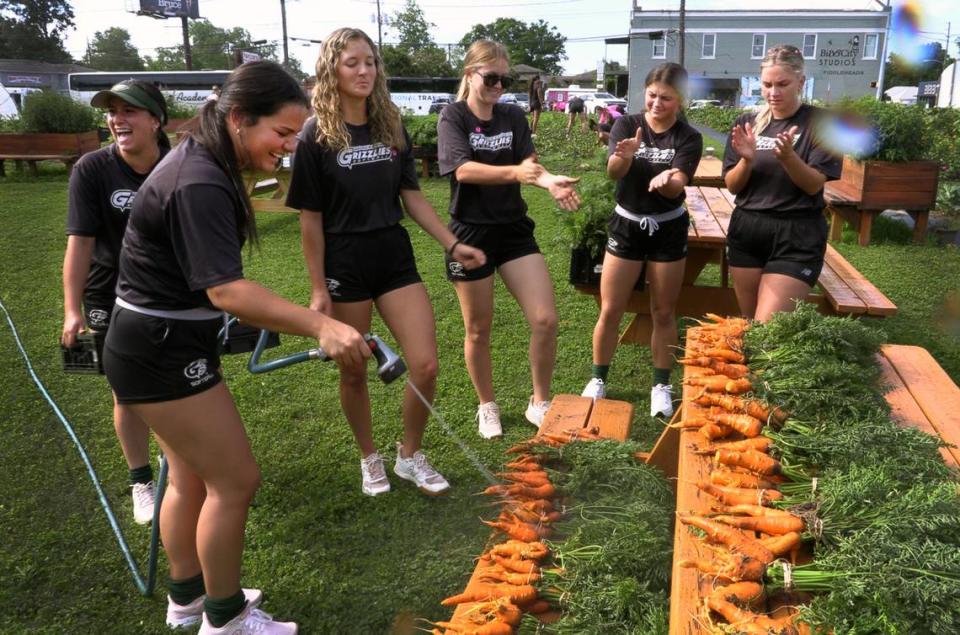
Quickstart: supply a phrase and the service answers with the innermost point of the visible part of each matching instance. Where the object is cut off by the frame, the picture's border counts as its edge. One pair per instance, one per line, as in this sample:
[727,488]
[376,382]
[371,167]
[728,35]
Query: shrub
[422,129]
[902,131]
[587,229]
[948,198]
[944,125]
[177,110]
[11,124]
[716,117]
[50,111]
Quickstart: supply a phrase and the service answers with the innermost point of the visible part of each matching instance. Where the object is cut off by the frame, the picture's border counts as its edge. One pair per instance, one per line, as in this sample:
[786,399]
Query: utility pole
[886,39]
[683,29]
[187,55]
[283,21]
[379,28]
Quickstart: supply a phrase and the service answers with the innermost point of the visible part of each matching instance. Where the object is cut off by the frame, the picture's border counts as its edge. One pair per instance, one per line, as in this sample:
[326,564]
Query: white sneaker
[488,419]
[143,498]
[374,475]
[661,400]
[596,389]
[183,615]
[536,411]
[251,621]
[418,470]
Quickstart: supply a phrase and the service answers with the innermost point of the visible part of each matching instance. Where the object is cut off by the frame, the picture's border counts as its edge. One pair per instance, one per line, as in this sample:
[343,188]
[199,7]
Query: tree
[536,44]
[415,54]
[111,50]
[34,29]
[211,47]
[901,72]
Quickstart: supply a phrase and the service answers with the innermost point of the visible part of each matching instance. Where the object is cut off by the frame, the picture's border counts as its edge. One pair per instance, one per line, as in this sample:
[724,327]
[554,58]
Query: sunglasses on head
[492,79]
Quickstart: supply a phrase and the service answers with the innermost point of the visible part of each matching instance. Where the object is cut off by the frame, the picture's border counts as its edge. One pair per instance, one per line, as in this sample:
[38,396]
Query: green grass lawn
[327,556]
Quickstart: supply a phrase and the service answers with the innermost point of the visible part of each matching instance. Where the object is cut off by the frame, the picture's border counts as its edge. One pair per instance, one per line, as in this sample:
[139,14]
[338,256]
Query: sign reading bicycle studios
[839,57]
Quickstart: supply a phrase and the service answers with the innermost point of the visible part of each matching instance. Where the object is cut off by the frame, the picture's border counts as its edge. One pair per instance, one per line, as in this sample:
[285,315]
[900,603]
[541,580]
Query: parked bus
[417,94]
[190,88]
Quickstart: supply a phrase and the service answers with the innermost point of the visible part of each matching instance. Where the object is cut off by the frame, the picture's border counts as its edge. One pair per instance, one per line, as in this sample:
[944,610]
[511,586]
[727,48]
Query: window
[759,46]
[809,46]
[870,42]
[659,49]
[709,49]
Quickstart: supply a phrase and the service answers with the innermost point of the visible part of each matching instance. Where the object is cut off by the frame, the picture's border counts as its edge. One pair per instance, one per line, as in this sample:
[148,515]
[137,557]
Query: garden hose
[145,586]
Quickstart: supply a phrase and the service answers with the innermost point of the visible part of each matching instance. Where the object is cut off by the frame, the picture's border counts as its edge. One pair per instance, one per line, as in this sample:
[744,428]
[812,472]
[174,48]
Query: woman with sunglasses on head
[103,186]
[180,270]
[352,170]
[776,165]
[485,147]
[653,156]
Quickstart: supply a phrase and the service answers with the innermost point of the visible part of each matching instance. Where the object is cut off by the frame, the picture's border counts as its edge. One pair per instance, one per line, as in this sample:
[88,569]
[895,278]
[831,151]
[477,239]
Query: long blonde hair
[384,117]
[780,55]
[481,53]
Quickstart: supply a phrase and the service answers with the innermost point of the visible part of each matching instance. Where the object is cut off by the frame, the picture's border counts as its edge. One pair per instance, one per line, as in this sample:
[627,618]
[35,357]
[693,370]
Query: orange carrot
[534,479]
[715,431]
[518,549]
[730,478]
[509,577]
[726,354]
[782,545]
[538,607]
[691,422]
[734,567]
[756,462]
[735,540]
[738,495]
[517,565]
[518,595]
[466,628]
[776,526]
[721,383]
[524,466]
[751,407]
[744,424]
[517,530]
[752,509]
[758,443]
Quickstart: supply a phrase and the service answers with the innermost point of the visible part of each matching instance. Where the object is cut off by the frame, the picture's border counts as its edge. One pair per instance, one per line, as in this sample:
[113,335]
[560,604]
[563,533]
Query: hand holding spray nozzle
[390,366]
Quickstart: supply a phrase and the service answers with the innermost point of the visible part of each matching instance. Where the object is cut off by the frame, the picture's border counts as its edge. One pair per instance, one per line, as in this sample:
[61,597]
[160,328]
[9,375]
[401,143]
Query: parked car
[703,103]
[520,99]
[593,101]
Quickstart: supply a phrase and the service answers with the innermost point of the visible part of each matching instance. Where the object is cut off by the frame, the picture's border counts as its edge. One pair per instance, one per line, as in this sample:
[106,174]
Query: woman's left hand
[469,257]
[662,179]
[562,190]
[784,144]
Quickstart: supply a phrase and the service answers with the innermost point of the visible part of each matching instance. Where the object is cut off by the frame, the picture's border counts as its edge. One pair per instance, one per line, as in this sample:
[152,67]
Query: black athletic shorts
[535,105]
[150,359]
[778,242]
[628,240]
[501,243]
[574,109]
[366,265]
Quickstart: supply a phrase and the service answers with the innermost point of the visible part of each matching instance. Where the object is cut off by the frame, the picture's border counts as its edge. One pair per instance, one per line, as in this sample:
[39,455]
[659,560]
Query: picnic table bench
[270,194]
[841,288]
[920,394]
[30,148]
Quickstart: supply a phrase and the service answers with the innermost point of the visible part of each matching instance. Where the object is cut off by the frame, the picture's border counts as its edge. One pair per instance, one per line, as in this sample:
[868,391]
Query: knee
[662,315]
[353,380]
[544,323]
[478,334]
[424,371]
[245,481]
[611,313]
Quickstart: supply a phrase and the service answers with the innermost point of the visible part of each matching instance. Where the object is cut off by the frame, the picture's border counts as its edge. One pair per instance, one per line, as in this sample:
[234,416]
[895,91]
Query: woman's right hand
[320,301]
[744,141]
[72,324]
[529,171]
[626,148]
[344,345]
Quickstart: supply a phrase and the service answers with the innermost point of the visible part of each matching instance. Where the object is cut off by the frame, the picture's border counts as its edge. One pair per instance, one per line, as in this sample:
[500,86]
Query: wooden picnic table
[269,194]
[841,289]
[708,172]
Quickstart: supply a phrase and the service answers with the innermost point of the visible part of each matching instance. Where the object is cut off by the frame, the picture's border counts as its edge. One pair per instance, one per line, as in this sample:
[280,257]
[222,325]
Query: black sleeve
[83,217]
[202,221]
[619,132]
[453,147]
[688,154]
[305,177]
[730,156]
[408,166]
[523,141]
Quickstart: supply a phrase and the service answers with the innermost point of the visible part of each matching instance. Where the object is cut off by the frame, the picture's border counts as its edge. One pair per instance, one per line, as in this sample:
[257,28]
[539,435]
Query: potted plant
[52,126]
[423,135]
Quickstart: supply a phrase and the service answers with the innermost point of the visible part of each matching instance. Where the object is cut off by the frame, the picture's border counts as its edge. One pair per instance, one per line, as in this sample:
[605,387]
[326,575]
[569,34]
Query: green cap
[134,95]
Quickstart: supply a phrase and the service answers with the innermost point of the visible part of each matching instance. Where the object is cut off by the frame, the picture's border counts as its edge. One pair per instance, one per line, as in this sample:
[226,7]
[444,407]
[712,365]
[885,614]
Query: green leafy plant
[50,111]
[948,198]
[587,228]
[944,125]
[11,124]
[422,129]
[902,131]
[717,117]
[177,110]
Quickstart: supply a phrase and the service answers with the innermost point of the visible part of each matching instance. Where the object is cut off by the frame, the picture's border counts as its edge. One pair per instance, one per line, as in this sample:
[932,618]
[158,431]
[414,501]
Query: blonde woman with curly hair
[486,148]
[353,177]
[776,166]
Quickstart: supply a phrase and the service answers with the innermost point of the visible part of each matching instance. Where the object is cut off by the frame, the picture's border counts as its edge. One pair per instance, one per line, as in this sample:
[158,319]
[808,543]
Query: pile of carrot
[745,533]
[509,570]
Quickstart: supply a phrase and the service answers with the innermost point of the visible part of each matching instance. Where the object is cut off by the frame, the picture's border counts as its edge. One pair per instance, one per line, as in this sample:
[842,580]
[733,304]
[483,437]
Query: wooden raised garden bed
[36,146]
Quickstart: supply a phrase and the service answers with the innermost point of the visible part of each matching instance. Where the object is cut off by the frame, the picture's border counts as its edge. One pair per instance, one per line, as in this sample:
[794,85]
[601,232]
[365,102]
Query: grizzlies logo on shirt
[362,155]
[769,143]
[502,141]
[654,154]
[122,200]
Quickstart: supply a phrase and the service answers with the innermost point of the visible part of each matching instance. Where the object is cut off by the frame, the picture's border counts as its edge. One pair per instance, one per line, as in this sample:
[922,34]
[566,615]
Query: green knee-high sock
[600,371]
[222,610]
[661,376]
[184,592]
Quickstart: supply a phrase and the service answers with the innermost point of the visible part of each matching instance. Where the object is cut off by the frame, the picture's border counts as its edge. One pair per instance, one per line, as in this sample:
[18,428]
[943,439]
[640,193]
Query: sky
[585,23]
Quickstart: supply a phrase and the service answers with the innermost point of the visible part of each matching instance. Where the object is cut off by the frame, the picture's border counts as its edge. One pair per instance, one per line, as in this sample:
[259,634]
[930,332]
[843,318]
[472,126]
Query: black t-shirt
[770,187]
[102,189]
[184,234]
[503,140]
[678,147]
[356,189]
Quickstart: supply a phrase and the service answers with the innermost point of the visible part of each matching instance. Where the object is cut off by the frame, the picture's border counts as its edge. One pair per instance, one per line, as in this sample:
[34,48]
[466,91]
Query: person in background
[352,170]
[536,102]
[486,149]
[653,156]
[576,109]
[103,186]
[181,268]
[607,116]
[776,165]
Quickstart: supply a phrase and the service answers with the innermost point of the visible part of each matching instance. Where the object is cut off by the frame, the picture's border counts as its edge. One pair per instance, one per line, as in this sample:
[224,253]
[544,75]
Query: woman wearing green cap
[102,188]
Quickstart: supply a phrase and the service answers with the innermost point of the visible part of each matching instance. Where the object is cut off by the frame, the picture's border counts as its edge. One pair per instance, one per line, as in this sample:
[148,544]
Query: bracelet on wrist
[453,246]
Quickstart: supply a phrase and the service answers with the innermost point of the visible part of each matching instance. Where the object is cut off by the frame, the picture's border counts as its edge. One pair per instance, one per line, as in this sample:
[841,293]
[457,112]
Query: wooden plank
[704,227]
[730,196]
[708,173]
[935,393]
[838,293]
[666,450]
[612,418]
[905,410]
[875,301]
[841,192]
[566,413]
[720,207]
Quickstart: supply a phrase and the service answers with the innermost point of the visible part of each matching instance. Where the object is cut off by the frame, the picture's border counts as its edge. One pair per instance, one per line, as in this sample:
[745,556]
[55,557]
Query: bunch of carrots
[510,570]
[744,482]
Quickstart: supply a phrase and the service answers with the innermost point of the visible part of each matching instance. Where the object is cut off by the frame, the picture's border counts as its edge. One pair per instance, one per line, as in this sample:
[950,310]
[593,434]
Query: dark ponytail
[254,90]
